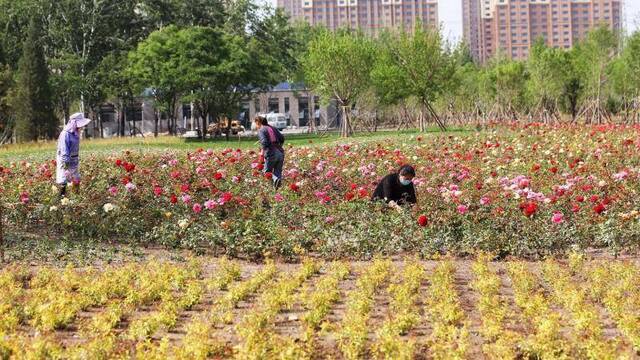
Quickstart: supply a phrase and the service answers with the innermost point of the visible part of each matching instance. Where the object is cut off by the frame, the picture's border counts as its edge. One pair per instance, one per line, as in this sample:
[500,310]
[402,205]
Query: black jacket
[390,189]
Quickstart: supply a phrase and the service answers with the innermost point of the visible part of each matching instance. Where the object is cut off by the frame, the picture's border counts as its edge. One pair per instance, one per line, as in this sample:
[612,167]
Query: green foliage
[422,67]
[548,77]
[32,96]
[338,65]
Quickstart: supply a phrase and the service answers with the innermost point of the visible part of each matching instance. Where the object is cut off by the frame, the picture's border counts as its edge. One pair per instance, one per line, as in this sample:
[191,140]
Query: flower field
[386,309]
[520,190]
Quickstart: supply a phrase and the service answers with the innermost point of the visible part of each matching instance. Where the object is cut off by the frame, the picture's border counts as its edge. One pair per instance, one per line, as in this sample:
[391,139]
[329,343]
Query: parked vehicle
[276,120]
[219,128]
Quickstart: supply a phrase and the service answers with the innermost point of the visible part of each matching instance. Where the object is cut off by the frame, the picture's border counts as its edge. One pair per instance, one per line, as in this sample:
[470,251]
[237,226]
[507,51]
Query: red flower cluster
[423,220]
[529,208]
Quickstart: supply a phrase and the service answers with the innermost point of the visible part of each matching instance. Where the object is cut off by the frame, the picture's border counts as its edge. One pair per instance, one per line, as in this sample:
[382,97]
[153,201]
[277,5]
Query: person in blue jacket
[271,141]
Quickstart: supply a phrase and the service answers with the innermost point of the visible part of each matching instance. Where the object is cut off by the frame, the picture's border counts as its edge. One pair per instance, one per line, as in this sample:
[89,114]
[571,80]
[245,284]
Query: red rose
[157,190]
[129,167]
[594,198]
[217,176]
[580,198]
[118,162]
[184,188]
[260,167]
[599,209]
[174,199]
[268,176]
[363,193]
[529,209]
[554,169]
[422,220]
[349,196]
[535,167]
[294,187]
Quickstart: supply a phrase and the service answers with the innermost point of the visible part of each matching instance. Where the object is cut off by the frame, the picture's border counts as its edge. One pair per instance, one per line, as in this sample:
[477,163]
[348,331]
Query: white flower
[183,223]
[65,201]
[53,208]
[108,207]
[602,183]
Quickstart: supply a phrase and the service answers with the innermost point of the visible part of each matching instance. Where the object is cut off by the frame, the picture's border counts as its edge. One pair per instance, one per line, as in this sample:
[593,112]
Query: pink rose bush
[523,190]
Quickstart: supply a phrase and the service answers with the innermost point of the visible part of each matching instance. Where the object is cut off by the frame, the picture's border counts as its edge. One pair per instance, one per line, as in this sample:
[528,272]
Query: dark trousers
[274,164]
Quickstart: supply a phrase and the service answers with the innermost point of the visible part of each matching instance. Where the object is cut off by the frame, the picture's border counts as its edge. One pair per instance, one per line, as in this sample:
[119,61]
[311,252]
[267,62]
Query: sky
[451,17]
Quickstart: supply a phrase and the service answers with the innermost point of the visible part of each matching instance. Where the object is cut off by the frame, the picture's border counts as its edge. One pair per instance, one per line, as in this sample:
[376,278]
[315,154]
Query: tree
[32,98]
[548,74]
[6,118]
[625,75]
[416,64]
[156,64]
[338,65]
[507,79]
[595,55]
[208,69]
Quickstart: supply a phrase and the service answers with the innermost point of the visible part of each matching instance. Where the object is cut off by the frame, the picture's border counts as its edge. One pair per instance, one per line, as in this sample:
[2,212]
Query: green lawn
[46,150]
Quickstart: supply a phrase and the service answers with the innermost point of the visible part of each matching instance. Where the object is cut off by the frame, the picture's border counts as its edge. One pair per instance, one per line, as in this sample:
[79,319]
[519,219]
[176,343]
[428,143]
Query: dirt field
[589,321]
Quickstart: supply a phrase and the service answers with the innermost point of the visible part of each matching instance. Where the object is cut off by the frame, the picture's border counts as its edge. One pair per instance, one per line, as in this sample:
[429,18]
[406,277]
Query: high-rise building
[512,26]
[370,16]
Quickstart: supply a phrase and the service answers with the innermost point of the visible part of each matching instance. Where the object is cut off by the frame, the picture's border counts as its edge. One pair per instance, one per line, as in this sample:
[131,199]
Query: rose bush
[522,190]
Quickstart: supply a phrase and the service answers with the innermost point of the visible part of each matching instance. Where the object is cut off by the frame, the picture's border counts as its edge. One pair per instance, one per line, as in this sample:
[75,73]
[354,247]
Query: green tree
[594,57]
[507,80]
[156,64]
[6,118]
[548,74]
[32,98]
[625,76]
[416,64]
[338,65]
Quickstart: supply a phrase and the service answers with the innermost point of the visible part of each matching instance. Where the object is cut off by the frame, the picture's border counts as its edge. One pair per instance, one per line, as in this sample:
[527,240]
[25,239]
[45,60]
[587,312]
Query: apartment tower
[512,26]
[371,16]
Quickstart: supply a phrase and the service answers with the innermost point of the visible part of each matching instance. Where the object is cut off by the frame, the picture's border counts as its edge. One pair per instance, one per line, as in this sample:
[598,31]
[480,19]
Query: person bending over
[397,189]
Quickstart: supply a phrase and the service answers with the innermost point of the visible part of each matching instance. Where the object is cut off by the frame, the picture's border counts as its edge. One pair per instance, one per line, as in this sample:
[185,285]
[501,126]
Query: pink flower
[462,209]
[130,186]
[113,190]
[210,204]
[186,198]
[24,198]
[329,219]
[235,179]
[557,217]
[278,197]
[197,208]
[485,200]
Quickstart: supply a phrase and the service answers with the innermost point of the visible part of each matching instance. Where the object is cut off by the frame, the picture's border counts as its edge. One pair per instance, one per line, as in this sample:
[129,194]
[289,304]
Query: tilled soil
[288,323]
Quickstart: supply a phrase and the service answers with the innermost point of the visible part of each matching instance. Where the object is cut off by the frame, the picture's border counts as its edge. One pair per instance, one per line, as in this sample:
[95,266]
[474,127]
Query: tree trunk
[156,122]
[346,126]
[101,126]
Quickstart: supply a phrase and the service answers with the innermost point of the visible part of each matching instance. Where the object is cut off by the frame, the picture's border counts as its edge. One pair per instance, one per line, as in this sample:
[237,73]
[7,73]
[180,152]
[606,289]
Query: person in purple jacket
[271,141]
[68,154]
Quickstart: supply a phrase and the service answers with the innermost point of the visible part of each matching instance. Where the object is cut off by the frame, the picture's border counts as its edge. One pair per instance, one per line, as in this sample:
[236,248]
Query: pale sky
[451,17]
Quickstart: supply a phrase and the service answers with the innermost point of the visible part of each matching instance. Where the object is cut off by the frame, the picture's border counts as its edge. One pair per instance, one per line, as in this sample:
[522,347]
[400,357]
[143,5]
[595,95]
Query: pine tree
[32,97]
